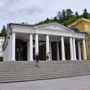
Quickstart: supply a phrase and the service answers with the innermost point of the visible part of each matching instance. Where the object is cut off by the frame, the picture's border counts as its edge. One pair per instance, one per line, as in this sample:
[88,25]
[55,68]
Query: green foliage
[66,17]
[85,13]
[70,20]
[1,59]
[69,13]
[76,14]
[3,32]
[45,21]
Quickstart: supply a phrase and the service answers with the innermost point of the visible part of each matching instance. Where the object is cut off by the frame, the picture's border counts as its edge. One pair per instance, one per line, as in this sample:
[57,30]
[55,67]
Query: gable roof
[78,21]
[55,26]
[49,26]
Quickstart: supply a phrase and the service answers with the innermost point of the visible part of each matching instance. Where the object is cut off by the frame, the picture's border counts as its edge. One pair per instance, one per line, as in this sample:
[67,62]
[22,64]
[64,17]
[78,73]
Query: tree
[3,32]
[85,13]
[66,17]
[63,15]
[59,17]
[47,20]
[55,19]
[76,14]
[69,13]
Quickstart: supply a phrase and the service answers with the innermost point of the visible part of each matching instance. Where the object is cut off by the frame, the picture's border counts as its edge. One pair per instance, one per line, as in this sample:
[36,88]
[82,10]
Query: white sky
[33,11]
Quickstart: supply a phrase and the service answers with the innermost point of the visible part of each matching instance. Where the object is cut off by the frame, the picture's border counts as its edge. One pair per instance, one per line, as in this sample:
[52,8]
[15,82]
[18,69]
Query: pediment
[54,26]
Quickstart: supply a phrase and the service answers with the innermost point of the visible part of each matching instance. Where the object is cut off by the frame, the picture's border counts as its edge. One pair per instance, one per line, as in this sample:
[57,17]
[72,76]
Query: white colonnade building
[23,41]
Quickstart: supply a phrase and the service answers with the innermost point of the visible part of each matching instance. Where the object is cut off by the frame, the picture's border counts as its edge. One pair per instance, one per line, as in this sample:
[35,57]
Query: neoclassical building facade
[23,41]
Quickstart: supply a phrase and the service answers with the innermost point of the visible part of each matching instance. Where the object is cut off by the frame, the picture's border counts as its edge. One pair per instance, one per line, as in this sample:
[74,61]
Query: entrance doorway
[54,50]
[42,51]
[21,50]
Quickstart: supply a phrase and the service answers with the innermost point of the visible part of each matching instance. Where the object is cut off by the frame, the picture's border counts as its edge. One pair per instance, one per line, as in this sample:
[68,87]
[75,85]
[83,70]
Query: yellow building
[83,25]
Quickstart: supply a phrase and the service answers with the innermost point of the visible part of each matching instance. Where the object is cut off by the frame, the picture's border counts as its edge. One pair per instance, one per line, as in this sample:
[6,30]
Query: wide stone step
[22,71]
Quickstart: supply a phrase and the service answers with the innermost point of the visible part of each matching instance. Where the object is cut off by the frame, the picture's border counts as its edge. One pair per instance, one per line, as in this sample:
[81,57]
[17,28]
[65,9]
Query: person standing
[47,55]
[37,59]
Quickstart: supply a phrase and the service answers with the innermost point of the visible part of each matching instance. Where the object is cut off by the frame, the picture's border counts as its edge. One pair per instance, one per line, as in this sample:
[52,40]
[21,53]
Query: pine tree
[55,19]
[63,15]
[3,31]
[69,13]
[59,17]
[85,13]
[76,14]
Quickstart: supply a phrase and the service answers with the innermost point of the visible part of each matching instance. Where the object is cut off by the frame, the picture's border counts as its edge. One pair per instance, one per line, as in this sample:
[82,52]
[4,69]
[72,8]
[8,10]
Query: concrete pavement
[72,83]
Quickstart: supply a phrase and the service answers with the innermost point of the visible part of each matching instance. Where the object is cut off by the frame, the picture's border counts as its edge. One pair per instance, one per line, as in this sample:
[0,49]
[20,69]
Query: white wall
[7,52]
[1,43]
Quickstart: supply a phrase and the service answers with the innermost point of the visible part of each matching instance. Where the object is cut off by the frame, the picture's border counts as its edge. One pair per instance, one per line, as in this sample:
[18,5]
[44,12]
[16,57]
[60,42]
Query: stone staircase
[27,71]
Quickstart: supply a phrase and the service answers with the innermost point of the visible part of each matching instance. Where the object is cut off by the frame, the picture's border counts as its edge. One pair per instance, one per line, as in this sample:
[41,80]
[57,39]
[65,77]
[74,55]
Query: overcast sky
[33,11]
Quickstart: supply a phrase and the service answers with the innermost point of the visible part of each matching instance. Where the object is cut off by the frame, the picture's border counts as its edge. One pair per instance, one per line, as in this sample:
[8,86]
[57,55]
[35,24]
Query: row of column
[73,49]
[30,57]
[30,49]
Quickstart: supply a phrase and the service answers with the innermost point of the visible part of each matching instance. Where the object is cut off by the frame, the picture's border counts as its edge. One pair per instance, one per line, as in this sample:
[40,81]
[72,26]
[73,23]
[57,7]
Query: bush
[1,59]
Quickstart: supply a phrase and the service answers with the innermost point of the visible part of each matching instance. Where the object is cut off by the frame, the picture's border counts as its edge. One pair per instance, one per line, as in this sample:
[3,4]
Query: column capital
[12,33]
[62,36]
[30,33]
[47,35]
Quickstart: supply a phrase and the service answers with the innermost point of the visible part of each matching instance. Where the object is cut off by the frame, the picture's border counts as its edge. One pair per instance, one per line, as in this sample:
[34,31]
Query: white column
[13,47]
[71,48]
[31,47]
[74,49]
[9,49]
[84,50]
[10,43]
[79,51]
[47,45]
[36,44]
[57,51]
[63,48]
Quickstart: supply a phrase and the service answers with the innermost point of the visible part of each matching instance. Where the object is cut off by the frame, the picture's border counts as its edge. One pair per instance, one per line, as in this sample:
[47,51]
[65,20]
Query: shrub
[1,58]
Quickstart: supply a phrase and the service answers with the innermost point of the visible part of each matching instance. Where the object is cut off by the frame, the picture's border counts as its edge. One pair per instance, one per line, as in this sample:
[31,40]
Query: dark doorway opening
[67,49]
[60,51]
[21,50]
[42,51]
[54,50]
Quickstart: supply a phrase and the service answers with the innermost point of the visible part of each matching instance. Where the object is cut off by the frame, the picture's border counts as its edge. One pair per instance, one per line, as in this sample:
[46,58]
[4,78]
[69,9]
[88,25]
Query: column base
[30,60]
[85,59]
[80,59]
[73,59]
[12,60]
[63,60]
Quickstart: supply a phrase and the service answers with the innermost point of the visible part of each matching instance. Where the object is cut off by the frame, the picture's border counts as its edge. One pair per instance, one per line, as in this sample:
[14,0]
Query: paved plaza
[72,83]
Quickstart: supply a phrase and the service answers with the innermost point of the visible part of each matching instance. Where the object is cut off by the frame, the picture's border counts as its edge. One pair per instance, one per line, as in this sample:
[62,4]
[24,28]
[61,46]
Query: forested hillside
[66,17]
